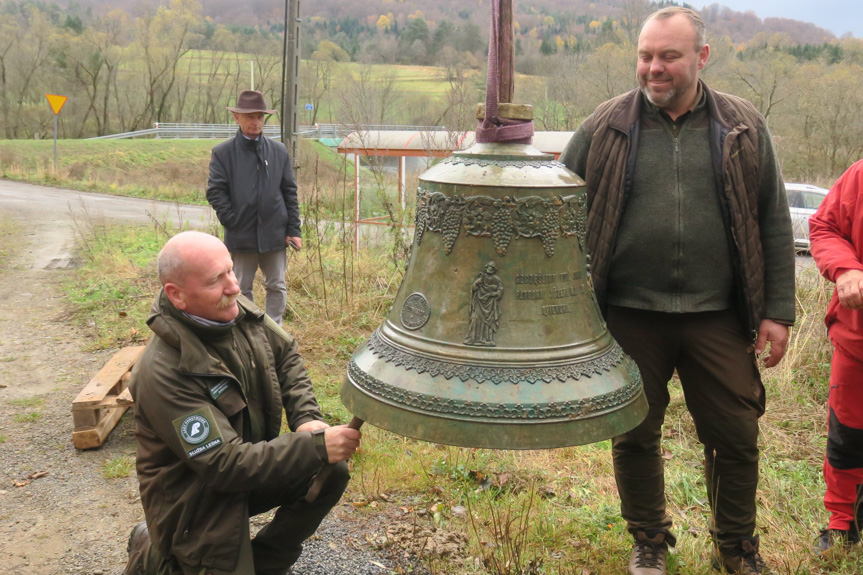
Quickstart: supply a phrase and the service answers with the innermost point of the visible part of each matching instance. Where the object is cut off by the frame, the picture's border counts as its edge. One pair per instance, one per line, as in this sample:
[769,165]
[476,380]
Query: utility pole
[290,81]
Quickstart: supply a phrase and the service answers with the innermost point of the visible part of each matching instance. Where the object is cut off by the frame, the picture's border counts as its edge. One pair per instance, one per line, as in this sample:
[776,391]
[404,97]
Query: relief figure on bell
[485,295]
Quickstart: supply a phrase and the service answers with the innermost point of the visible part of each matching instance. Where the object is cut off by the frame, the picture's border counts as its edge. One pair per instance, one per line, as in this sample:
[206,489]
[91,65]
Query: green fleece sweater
[672,250]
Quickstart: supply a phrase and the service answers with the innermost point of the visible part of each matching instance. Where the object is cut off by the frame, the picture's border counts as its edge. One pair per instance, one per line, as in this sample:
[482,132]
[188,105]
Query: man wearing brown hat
[252,188]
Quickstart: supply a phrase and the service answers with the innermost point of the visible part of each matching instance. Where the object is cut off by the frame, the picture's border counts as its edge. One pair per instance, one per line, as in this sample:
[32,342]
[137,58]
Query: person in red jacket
[836,233]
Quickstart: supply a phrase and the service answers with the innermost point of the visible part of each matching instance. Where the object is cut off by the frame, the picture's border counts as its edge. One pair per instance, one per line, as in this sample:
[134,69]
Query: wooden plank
[125,398]
[85,418]
[104,400]
[111,400]
[107,403]
[90,438]
[108,378]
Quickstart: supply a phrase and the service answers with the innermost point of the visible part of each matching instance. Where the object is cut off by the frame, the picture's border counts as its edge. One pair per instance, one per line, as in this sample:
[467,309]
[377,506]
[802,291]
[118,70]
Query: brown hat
[249,102]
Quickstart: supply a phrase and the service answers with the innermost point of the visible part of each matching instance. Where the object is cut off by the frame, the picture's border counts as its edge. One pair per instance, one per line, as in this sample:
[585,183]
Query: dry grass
[572,524]
[552,512]
[559,508]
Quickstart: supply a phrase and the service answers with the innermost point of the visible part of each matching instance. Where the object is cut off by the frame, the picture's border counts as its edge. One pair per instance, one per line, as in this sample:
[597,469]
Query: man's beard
[663,100]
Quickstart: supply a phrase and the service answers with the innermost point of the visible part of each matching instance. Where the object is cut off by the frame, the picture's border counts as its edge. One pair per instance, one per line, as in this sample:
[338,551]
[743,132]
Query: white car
[803,200]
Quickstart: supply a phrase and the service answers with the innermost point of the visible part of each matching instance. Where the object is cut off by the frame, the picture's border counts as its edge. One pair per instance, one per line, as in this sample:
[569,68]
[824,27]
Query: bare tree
[634,13]
[94,57]
[25,53]
[608,72]
[10,37]
[370,97]
[163,39]
[316,79]
[767,79]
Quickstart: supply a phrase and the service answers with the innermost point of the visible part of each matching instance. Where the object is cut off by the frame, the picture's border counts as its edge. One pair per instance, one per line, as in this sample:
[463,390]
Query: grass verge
[177,170]
[154,169]
[551,512]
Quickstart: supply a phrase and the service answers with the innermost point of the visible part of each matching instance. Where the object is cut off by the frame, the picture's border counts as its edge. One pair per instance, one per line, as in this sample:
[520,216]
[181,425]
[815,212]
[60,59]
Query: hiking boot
[831,538]
[745,560]
[139,542]
[648,554]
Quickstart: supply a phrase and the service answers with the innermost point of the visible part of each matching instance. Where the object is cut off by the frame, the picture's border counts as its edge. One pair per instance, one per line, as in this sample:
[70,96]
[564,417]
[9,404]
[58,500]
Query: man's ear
[175,294]
[703,56]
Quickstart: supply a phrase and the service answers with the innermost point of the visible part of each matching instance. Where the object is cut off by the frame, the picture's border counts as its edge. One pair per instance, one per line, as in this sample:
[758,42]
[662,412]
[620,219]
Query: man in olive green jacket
[692,262]
[209,392]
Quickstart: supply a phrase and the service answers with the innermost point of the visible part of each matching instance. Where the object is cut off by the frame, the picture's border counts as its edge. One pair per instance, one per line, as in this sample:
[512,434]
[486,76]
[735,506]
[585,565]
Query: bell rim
[524,434]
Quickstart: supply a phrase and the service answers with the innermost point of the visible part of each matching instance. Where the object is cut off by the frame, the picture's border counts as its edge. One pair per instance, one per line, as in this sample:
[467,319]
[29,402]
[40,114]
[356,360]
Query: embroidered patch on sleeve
[198,431]
[219,388]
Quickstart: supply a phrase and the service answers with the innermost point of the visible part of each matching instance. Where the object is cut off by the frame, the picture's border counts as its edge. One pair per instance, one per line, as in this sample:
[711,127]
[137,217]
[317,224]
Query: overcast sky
[838,16]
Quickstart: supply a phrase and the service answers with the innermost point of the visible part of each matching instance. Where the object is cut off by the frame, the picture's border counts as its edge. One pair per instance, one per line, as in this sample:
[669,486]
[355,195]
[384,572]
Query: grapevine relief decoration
[501,219]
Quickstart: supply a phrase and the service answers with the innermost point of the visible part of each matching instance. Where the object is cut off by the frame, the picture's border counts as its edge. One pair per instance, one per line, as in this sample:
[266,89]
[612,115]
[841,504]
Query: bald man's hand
[342,442]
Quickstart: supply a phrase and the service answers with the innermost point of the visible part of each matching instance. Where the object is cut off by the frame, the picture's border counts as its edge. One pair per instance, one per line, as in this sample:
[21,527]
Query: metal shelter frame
[423,144]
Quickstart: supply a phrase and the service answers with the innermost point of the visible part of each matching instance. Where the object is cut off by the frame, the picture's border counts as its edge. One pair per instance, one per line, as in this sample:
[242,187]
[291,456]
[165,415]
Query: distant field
[415,85]
[158,169]
[413,80]
[171,170]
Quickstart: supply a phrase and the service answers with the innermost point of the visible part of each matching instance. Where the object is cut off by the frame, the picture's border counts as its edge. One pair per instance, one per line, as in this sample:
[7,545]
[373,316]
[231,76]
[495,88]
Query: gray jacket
[252,188]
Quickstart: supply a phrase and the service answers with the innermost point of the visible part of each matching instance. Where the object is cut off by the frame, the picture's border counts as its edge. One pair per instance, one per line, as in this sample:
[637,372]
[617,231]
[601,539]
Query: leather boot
[744,560]
[832,538]
[139,542]
[648,554]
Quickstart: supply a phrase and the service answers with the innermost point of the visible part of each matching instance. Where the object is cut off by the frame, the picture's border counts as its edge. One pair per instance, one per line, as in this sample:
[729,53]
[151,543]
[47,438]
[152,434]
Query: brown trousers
[717,368]
[278,544]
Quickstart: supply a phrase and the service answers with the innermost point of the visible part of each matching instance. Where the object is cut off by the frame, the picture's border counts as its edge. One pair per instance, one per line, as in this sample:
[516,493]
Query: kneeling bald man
[209,392]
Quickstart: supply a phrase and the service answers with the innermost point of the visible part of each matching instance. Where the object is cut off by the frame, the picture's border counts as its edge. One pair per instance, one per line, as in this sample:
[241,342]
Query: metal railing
[169,130]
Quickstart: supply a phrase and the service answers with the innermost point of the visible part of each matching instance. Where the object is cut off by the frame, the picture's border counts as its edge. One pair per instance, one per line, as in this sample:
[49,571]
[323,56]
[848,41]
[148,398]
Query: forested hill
[570,17]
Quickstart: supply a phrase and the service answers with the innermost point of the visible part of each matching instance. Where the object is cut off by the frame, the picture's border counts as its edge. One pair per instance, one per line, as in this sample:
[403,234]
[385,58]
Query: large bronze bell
[495,338]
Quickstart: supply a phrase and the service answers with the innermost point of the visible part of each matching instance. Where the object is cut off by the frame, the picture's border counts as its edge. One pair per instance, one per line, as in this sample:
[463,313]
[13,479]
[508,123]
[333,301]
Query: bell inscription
[415,311]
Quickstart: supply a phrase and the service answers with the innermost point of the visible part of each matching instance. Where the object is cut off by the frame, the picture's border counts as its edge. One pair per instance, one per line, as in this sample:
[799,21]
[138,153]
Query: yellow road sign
[56,102]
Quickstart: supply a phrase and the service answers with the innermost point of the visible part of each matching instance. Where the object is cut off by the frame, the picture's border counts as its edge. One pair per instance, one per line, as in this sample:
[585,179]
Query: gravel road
[58,514]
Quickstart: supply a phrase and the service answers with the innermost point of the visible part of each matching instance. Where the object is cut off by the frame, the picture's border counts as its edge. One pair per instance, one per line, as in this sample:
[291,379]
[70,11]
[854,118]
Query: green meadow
[551,512]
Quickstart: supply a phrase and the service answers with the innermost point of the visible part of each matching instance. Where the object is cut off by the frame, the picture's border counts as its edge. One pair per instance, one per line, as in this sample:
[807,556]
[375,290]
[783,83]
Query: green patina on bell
[495,338]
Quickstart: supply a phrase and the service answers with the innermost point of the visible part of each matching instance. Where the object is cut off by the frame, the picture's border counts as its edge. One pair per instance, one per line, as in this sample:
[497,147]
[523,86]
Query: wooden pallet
[103,401]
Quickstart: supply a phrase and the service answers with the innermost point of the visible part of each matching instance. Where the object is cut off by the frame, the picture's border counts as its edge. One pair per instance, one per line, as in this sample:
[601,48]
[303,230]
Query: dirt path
[72,519]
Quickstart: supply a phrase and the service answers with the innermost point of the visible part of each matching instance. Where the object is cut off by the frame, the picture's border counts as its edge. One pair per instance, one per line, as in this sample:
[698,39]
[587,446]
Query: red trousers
[843,465]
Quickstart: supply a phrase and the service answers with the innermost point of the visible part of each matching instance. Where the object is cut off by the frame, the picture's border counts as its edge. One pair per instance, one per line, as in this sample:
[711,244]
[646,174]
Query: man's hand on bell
[342,442]
[849,288]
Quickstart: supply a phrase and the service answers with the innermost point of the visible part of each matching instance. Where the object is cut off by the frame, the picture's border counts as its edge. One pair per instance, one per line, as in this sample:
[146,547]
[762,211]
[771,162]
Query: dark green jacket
[195,466]
[756,216]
